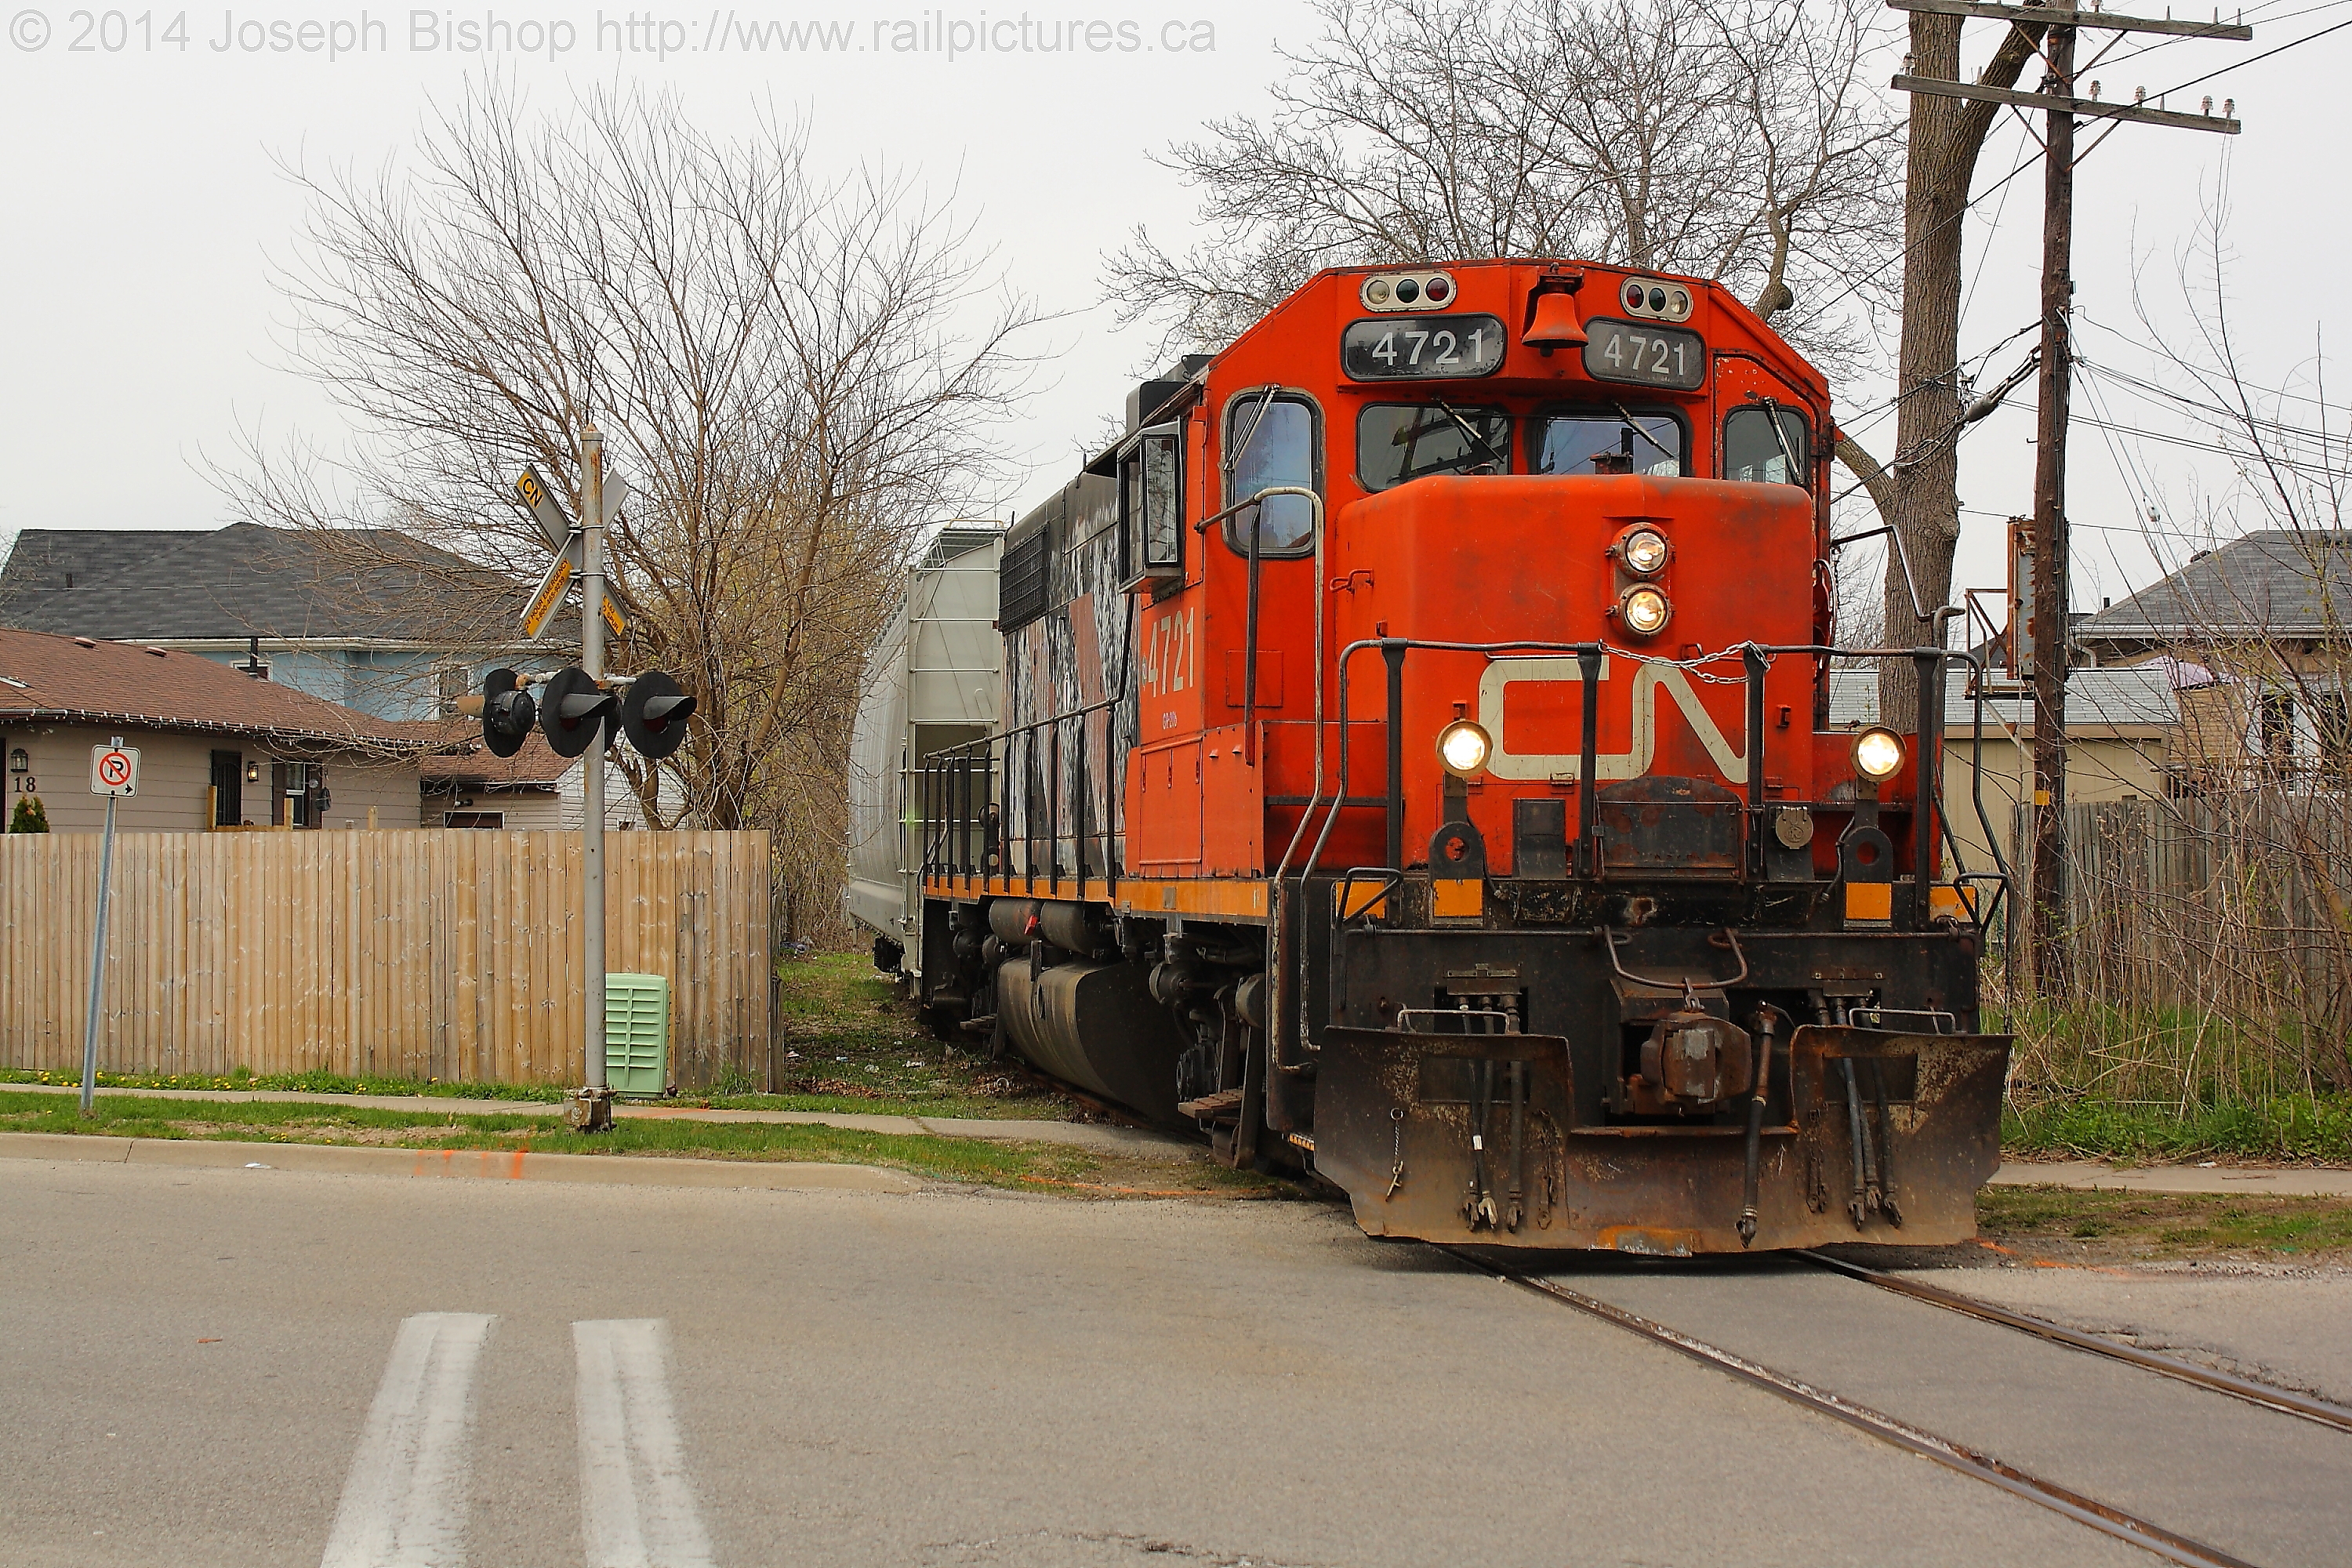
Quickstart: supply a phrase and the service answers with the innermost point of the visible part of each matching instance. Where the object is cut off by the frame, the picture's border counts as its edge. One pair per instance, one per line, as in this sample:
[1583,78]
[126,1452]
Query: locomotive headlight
[1877,753]
[1464,747]
[1642,550]
[1643,609]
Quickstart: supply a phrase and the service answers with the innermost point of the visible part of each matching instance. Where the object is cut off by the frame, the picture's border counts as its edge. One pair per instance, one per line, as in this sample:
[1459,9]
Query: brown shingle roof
[82,681]
[458,757]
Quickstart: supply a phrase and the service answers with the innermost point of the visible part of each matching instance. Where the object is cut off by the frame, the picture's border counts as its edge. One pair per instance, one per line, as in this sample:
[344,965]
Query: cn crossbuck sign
[570,549]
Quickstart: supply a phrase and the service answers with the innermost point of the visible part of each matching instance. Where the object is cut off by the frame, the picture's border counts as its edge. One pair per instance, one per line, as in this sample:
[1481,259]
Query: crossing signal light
[654,714]
[505,710]
[574,711]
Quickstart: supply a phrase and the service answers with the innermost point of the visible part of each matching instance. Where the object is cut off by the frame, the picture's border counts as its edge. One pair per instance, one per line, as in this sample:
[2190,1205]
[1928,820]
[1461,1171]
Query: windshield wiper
[1631,424]
[1467,429]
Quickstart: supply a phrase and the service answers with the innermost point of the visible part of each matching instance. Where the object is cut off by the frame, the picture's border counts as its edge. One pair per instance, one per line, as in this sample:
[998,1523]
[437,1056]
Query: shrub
[30,816]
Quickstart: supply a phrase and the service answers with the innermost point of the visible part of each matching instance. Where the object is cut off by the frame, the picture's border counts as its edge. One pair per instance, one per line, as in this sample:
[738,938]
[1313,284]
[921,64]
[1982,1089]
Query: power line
[2266,54]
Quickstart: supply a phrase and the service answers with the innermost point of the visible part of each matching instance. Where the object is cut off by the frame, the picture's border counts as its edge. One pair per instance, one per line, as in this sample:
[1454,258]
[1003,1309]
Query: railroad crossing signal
[114,770]
[506,710]
[654,714]
[574,712]
[573,709]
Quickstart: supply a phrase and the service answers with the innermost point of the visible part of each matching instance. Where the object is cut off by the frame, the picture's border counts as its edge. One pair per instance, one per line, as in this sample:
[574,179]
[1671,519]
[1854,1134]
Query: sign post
[113,773]
[594,1110]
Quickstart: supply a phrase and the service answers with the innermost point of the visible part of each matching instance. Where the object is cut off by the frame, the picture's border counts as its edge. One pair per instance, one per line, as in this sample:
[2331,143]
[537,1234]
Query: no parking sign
[114,770]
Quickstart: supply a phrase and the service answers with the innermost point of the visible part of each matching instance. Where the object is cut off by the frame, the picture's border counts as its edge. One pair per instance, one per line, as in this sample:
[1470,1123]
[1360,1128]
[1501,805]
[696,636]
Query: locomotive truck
[1414,767]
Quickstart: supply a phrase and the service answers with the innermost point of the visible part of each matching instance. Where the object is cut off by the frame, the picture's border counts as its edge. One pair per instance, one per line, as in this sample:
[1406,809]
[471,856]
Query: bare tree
[1916,491]
[795,373]
[1727,139]
[2213,927]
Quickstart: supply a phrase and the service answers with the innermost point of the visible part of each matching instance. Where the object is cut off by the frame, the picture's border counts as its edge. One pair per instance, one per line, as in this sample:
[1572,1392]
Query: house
[2256,638]
[217,748]
[2121,726]
[368,618]
[468,786]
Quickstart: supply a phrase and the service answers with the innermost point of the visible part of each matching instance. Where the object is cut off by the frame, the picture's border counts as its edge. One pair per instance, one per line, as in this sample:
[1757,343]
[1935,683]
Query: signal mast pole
[596,1107]
[2045,909]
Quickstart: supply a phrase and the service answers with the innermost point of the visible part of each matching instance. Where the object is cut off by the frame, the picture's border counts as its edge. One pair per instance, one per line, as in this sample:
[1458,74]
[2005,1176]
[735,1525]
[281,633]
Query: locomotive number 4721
[1645,353]
[1422,348]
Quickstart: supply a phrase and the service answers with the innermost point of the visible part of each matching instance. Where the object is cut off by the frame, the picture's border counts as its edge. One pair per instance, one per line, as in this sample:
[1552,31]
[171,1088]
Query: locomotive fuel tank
[1093,1025]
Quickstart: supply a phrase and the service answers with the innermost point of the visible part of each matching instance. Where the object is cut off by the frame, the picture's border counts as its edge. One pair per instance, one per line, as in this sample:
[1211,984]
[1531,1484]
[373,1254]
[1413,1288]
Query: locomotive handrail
[1928,778]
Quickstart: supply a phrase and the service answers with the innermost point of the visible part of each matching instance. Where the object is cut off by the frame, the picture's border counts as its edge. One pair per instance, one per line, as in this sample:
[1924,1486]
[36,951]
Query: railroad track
[2106,1517]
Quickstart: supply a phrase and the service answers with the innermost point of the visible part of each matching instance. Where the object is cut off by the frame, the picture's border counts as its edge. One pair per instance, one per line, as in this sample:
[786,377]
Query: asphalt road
[261,1367]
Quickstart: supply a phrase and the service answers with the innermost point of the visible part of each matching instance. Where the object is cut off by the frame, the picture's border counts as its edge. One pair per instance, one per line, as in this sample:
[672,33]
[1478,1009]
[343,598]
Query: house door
[229,789]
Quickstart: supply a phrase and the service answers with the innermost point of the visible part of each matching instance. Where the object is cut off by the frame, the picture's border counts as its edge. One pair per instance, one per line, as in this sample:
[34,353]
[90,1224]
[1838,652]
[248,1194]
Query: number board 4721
[1421,348]
[1645,353]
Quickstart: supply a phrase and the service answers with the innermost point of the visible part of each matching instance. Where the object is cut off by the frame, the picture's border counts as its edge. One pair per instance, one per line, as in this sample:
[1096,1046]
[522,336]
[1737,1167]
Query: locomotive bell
[1698,1057]
[1553,324]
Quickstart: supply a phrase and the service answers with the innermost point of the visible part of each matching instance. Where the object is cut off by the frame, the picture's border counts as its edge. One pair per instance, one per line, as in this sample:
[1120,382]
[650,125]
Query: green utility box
[636,1035]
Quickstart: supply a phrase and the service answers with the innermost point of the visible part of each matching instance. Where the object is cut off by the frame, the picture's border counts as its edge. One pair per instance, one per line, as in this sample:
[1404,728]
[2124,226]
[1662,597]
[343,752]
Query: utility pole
[2045,909]
[596,1111]
[2047,920]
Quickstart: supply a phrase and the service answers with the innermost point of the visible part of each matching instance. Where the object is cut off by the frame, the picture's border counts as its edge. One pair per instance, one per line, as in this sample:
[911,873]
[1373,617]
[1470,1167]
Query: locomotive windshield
[1273,441]
[1753,452]
[1587,441]
[1401,441]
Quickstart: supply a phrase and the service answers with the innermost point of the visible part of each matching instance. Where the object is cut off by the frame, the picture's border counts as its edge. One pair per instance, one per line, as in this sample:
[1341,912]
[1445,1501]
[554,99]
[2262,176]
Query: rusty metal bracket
[1610,938]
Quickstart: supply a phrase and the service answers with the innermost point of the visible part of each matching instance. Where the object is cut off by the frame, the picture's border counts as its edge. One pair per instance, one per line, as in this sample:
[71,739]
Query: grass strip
[2292,1127]
[2167,1224]
[989,1162]
[244,1082]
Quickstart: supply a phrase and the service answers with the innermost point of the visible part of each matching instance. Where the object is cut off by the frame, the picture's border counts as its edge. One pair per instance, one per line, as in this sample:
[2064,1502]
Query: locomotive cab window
[1271,440]
[1151,505]
[1586,440]
[1399,441]
[1755,453]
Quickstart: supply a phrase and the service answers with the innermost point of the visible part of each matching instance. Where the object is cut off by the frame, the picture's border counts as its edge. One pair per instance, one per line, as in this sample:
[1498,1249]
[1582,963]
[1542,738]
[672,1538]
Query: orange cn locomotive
[1413,766]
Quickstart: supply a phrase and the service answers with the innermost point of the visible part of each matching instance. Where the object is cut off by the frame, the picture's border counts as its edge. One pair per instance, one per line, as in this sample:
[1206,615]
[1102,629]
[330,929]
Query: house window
[2274,730]
[2331,723]
[473,819]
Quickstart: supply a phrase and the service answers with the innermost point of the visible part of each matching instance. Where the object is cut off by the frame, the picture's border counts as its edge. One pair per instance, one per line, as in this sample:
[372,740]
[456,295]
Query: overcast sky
[141,201]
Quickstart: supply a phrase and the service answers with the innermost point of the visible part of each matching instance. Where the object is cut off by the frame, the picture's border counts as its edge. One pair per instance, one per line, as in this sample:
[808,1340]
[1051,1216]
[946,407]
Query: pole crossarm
[2088,108]
[2065,16]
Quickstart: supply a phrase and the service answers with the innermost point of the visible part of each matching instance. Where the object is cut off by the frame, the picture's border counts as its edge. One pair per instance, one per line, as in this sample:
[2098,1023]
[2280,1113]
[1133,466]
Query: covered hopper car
[1413,764]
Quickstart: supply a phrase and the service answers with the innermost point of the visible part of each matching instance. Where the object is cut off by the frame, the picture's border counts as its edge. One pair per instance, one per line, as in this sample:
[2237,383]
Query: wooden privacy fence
[2232,909]
[447,954]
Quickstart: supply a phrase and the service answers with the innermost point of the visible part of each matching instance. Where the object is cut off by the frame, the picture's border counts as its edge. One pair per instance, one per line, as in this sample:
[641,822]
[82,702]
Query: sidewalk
[605,1170]
[1101,1137]
[2089,1175]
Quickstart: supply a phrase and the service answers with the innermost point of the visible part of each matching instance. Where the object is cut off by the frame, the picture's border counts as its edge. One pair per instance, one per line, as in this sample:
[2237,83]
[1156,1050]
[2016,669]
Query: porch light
[253,772]
[20,761]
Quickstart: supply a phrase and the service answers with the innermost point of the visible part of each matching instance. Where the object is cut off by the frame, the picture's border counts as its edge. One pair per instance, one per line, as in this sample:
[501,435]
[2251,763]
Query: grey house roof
[245,581]
[2114,698]
[2276,581]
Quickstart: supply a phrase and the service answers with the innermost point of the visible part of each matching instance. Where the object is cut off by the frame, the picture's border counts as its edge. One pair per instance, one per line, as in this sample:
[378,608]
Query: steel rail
[2262,1394]
[2107,1520]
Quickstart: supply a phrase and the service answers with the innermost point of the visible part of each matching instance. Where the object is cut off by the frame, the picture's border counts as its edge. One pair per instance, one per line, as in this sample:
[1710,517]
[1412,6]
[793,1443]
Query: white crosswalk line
[405,1501]
[636,1507]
